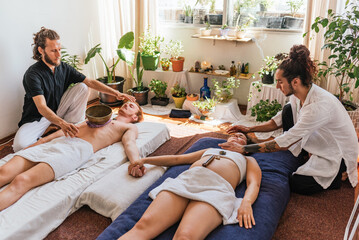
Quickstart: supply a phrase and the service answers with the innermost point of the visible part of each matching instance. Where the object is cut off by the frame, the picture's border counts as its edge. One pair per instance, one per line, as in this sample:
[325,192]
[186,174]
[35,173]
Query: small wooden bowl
[99,114]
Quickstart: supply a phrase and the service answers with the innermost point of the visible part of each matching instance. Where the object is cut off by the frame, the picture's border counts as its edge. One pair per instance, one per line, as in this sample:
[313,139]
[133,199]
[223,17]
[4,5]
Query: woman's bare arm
[253,179]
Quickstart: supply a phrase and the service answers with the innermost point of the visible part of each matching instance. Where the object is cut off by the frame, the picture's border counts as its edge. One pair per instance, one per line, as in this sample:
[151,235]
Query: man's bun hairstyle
[40,41]
[299,64]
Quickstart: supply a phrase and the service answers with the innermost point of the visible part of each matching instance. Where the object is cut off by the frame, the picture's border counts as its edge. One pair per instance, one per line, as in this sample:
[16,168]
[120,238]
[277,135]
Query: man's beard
[291,90]
[49,61]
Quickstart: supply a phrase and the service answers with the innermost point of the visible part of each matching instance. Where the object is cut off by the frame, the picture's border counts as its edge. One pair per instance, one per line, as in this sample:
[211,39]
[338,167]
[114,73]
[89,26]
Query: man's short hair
[139,113]
[40,41]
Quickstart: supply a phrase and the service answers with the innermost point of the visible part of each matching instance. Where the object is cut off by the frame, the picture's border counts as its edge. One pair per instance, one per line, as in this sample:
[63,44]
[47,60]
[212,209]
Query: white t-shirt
[323,128]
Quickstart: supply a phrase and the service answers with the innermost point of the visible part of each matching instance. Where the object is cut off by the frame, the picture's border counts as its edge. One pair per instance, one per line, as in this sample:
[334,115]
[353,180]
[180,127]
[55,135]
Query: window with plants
[283,14]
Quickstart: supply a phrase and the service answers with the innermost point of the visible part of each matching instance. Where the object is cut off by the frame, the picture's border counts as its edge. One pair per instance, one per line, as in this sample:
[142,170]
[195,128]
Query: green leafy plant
[208,26]
[242,25]
[188,11]
[173,48]
[126,43]
[270,66]
[178,91]
[158,87]
[212,8]
[224,26]
[72,60]
[224,90]
[150,43]
[206,105]
[265,110]
[341,37]
[126,54]
[294,5]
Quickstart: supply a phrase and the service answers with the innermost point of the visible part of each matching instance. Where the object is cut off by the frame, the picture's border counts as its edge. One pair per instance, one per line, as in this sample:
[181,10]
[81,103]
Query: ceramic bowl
[99,114]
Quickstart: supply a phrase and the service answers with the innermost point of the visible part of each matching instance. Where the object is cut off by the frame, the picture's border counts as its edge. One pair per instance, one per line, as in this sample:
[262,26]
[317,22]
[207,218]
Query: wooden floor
[6,143]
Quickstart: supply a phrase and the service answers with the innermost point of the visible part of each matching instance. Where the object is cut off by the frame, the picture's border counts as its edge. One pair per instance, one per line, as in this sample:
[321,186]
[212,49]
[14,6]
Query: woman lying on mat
[203,196]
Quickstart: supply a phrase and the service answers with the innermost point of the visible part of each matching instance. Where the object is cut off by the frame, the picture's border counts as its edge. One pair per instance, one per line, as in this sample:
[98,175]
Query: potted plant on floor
[111,80]
[174,49]
[179,95]
[159,88]
[205,107]
[150,50]
[125,53]
[341,37]
[224,91]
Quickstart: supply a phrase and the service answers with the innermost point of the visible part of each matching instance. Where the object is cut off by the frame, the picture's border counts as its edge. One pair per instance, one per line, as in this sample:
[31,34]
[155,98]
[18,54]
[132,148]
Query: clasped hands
[137,169]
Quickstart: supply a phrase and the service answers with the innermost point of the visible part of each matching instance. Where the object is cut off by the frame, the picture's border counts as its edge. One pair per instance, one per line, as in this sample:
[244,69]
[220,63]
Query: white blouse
[323,128]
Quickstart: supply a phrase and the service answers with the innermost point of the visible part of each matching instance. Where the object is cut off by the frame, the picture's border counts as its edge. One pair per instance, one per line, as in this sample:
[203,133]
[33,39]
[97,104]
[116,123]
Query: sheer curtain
[314,41]
[116,18]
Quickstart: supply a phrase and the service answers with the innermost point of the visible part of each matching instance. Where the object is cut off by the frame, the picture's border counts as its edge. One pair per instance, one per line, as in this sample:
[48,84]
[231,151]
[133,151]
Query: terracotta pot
[192,97]
[177,64]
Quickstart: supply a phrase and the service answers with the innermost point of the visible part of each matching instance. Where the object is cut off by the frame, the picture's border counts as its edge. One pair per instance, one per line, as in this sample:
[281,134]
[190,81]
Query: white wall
[268,43]
[76,21]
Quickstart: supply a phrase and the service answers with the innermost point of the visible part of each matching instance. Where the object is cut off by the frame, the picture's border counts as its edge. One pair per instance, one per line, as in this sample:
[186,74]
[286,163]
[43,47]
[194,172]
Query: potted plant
[165,63]
[159,88]
[174,49]
[192,97]
[265,110]
[125,53]
[205,107]
[111,80]
[150,50]
[242,25]
[179,95]
[188,14]
[293,21]
[224,30]
[341,37]
[224,91]
[72,60]
[206,31]
[271,64]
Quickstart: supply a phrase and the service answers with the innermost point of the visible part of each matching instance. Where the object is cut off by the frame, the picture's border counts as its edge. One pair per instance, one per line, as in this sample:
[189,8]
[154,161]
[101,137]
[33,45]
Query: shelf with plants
[221,38]
[241,76]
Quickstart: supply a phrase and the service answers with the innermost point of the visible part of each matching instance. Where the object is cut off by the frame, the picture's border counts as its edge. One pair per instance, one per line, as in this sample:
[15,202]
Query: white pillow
[112,194]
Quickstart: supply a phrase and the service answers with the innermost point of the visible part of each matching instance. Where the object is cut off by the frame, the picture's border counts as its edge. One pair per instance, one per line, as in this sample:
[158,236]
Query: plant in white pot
[205,107]
[174,49]
[206,31]
[150,49]
[242,25]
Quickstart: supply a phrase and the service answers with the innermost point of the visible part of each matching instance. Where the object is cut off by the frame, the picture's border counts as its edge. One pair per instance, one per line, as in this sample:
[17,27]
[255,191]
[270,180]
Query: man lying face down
[55,155]
[203,196]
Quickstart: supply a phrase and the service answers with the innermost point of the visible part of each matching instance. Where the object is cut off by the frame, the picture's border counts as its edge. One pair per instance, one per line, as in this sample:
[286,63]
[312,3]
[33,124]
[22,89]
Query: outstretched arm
[129,143]
[268,146]
[166,160]
[253,179]
[264,127]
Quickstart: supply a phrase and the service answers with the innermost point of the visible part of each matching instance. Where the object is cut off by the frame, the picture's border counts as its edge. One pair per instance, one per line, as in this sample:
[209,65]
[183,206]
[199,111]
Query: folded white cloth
[63,154]
[202,184]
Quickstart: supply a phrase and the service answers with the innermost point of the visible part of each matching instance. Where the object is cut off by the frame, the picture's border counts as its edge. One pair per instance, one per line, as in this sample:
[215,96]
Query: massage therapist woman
[47,96]
[315,121]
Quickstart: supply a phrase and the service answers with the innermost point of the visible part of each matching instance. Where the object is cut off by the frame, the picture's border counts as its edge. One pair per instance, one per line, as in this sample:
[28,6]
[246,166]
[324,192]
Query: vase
[205,92]
[140,95]
[150,62]
[179,101]
[117,85]
[177,64]
[268,78]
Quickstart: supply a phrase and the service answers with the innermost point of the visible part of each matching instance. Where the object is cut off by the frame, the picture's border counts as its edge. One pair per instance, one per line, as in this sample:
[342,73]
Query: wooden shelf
[220,38]
[242,76]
